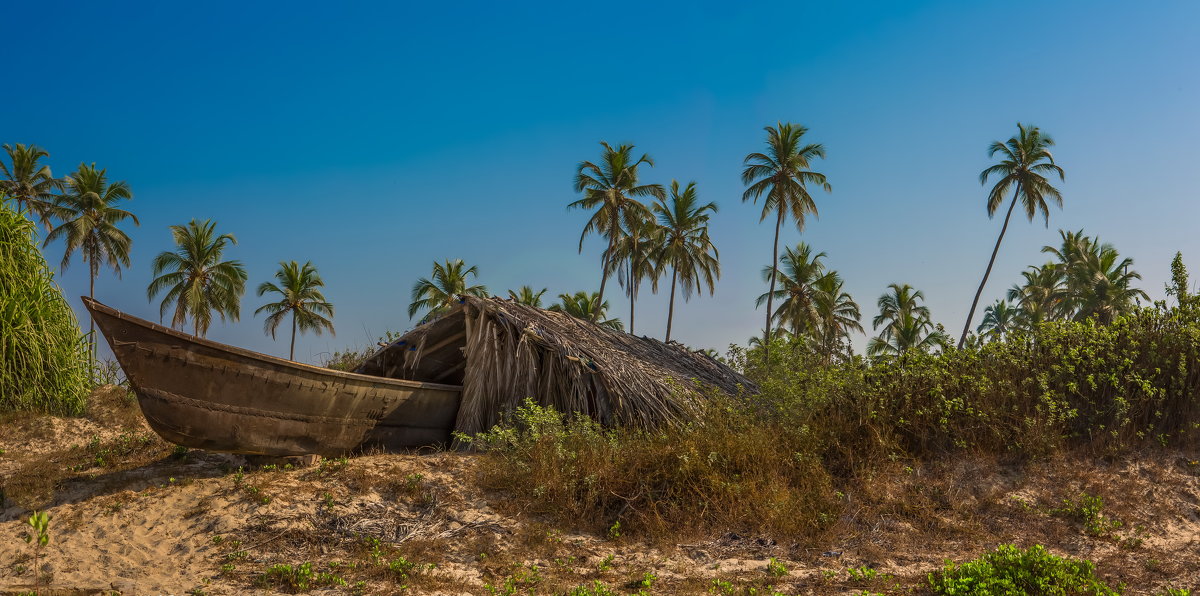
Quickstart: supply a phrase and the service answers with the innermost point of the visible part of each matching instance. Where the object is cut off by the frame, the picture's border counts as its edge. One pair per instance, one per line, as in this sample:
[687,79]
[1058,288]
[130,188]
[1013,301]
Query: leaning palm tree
[999,320]
[798,272]
[196,279]
[609,188]
[782,174]
[685,246]
[525,295]
[1025,160]
[586,306]
[300,296]
[29,183]
[441,290]
[88,208]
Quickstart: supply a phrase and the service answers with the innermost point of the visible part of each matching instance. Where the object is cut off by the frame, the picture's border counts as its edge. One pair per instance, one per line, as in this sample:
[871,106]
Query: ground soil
[131,514]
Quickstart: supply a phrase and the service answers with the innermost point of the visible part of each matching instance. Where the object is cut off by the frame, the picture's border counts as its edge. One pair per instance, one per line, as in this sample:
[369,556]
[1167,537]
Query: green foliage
[1086,510]
[1010,571]
[294,579]
[1066,383]
[776,568]
[196,279]
[300,296]
[39,525]
[43,354]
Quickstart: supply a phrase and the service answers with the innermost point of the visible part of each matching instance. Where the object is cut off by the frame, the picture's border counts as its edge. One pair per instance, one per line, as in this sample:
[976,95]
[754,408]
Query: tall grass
[774,462]
[43,353]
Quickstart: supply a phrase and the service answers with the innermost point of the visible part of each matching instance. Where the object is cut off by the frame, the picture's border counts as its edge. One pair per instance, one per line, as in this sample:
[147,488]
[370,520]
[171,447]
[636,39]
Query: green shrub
[43,354]
[1010,571]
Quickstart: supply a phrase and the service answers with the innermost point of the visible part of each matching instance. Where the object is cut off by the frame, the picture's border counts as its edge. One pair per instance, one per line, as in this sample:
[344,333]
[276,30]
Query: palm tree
[909,332]
[798,273]
[782,175]
[837,316]
[609,188]
[90,217]
[29,183]
[525,295]
[903,301]
[1042,297]
[300,296]
[999,320]
[442,289]
[1098,281]
[633,259]
[195,278]
[586,306]
[1025,158]
[685,246]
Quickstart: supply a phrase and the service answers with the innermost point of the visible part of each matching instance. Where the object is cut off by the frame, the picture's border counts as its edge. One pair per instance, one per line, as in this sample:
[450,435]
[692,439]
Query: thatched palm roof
[503,352]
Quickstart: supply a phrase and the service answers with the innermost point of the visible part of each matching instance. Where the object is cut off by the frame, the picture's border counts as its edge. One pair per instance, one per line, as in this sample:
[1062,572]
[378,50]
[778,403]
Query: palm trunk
[292,351]
[971,314]
[612,244]
[632,293]
[92,295]
[771,292]
[671,308]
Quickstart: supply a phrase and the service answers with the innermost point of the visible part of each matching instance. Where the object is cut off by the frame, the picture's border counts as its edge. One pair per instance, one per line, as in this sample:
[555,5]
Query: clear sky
[374,139]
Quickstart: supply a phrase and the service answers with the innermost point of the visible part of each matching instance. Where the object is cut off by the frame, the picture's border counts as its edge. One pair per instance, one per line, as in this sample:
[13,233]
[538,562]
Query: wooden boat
[203,394]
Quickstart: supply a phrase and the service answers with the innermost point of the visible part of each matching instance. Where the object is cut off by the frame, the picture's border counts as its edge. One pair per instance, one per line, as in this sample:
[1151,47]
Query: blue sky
[374,139]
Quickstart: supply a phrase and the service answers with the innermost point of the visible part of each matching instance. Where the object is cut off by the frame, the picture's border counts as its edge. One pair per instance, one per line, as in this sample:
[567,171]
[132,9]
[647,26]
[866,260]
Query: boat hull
[203,394]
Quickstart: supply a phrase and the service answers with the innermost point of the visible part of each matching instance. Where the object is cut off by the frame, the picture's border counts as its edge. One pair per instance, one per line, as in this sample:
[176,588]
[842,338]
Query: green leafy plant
[39,537]
[1011,571]
[776,568]
[1087,510]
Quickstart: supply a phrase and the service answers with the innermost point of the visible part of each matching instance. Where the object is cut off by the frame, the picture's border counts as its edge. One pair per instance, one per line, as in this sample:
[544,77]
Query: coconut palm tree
[909,332]
[798,273]
[586,306]
[900,302]
[196,279]
[525,295]
[999,320]
[88,208]
[1098,281]
[1025,162]
[634,259]
[782,175]
[440,291]
[1043,296]
[686,247]
[299,290]
[838,315]
[609,188]
[28,182]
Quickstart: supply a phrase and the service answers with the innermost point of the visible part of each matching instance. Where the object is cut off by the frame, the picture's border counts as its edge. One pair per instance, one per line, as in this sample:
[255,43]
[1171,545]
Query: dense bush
[43,355]
[1010,571]
[1067,384]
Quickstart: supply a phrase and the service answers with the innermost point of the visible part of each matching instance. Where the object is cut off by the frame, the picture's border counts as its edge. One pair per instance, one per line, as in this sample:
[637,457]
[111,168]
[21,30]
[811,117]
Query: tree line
[84,209]
[652,233]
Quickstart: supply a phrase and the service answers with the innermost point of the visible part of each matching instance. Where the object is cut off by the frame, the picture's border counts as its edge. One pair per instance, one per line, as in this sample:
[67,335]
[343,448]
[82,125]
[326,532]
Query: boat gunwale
[95,305]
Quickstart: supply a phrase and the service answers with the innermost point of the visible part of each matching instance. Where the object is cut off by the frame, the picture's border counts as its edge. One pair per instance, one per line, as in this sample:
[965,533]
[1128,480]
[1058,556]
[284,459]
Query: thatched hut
[502,352]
